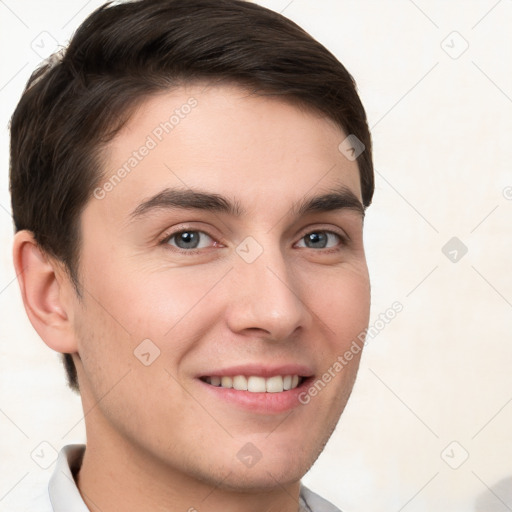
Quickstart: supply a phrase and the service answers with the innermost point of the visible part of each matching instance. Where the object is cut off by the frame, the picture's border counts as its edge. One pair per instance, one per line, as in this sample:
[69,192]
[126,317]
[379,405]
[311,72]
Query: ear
[47,293]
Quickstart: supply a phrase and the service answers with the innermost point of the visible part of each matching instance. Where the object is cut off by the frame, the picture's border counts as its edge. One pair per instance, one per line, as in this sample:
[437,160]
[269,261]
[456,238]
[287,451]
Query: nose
[265,298]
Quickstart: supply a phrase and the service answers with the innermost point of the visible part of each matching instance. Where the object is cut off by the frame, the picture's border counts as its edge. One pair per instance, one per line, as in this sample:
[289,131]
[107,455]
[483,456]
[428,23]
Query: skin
[156,440]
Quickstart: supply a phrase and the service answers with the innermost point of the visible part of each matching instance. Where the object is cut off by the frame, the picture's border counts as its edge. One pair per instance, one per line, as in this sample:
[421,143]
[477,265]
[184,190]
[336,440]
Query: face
[211,262]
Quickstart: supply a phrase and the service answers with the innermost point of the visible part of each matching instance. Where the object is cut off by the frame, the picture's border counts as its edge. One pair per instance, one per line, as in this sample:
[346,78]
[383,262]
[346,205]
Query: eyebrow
[169,199]
[340,199]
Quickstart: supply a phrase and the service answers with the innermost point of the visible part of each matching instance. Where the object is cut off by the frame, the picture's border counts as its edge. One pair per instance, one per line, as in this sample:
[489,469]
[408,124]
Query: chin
[260,479]
[275,465]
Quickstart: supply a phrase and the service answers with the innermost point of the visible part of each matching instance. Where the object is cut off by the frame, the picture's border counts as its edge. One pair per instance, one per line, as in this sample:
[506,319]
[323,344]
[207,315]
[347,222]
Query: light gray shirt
[63,494]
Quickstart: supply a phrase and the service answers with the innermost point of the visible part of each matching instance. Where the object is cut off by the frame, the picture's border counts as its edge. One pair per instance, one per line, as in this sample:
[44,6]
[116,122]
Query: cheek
[173,307]
[150,300]
[341,301]
[344,309]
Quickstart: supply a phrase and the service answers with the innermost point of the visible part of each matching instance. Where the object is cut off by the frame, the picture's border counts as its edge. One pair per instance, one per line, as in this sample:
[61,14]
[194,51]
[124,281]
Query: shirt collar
[64,494]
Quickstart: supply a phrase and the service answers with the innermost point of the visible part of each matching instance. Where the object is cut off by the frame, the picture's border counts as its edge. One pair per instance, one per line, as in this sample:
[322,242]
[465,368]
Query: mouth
[255,383]
[257,388]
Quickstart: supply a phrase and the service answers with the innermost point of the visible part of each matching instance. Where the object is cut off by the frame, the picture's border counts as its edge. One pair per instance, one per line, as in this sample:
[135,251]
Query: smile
[255,384]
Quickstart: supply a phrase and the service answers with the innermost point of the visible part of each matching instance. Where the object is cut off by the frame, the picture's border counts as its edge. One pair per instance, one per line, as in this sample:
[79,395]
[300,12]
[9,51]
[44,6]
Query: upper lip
[260,370]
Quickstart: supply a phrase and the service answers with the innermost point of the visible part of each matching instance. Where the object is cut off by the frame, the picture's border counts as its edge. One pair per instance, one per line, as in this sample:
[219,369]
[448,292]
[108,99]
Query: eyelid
[341,242]
[345,239]
[163,239]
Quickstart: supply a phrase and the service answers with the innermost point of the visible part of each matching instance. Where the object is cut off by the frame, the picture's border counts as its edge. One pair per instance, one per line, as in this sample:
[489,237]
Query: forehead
[259,150]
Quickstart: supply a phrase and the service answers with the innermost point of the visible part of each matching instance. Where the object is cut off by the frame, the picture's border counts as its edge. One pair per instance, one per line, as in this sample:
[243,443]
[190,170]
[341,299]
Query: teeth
[275,384]
[256,384]
[240,383]
[226,382]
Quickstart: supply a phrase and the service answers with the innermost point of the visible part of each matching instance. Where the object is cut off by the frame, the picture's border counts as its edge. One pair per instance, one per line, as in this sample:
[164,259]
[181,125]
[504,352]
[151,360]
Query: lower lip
[263,403]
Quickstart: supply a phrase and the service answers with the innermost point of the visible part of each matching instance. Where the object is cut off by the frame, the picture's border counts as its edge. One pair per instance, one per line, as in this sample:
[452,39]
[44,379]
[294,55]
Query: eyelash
[344,240]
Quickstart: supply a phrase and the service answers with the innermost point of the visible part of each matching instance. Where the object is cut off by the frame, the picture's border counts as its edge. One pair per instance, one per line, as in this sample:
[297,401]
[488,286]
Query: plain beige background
[428,426]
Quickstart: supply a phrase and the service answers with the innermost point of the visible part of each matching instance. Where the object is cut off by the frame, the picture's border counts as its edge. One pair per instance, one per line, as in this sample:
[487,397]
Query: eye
[189,239]
[321,240]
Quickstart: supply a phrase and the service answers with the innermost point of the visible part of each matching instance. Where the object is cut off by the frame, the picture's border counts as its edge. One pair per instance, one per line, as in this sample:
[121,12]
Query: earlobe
[43,290]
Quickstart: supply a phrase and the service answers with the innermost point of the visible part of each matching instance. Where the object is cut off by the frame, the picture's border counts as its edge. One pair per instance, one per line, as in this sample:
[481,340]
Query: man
[188,182]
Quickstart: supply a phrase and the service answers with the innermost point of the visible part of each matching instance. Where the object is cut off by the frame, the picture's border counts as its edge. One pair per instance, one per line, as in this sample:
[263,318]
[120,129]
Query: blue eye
[189,240]
[321,240]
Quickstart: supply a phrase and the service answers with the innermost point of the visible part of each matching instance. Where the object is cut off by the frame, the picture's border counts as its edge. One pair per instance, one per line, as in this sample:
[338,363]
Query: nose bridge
[266,295]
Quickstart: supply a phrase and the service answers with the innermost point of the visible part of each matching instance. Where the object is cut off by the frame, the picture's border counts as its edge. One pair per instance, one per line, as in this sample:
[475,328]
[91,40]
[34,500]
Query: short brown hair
[74,104]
